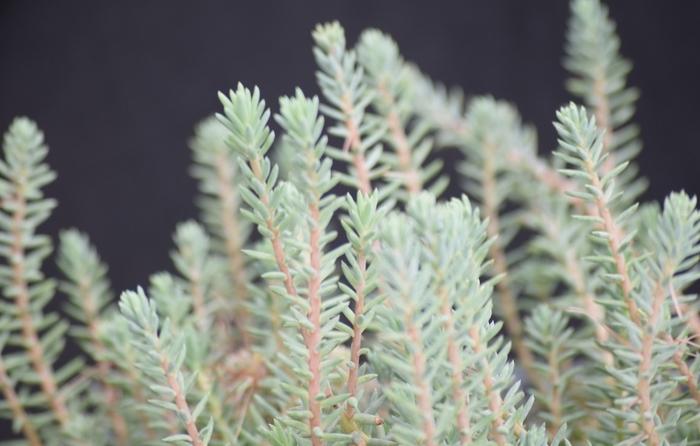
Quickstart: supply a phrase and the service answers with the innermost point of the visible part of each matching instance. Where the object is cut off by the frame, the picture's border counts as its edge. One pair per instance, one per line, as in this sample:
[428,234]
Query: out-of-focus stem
[232,237]
[312,338]
[508,304]
[419,369]
[34,347]
[19,415]
[103,367]
[494,397]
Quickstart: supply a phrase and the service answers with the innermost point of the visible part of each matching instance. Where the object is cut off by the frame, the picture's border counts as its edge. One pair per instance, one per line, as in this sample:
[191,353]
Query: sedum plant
[339,295]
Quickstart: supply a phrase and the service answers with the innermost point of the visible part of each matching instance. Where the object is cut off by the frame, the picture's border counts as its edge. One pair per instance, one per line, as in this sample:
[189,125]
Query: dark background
[117,87]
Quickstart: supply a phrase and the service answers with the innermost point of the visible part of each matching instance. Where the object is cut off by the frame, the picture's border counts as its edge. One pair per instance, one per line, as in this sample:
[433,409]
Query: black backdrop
[117,87]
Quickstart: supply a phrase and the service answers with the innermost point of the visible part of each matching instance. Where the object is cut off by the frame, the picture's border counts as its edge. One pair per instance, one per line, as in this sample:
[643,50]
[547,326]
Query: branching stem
[214,402]
[400,143]
[644,378]
[602,116]
[276,238]
[356,344]
[180,401]
[403,152]
[459,397]
[615,237]
[312,338]
[425,404]
[198,300]
[232,237]
[34,347]
[576,274]
[493,396]
[509,306]
[691,380]
[692,319]
[353,140]
[555,400]
[103,367]
[15,405]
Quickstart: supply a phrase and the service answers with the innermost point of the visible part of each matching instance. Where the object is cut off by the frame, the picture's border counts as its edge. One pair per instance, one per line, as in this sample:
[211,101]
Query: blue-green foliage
[161,354]
[367,318]
[393,93]
[36,335]
[347,95]
[599,78]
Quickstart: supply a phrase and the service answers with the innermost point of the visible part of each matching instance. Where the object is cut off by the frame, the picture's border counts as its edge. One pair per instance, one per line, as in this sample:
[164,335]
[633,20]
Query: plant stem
[180,399]
[615,237]
[644,383]
[494,397]
[508,304]
[312,338]
[411,177]
[275,239]
[34,347]
[601,108]
[198,301]
[14,404]
[353,141]
[232,237]
[356,344]
[419,369]
[215,406]
[555,403]
[576,274]
[103,367]
[399,141]
[691,380]
[459,397]
[693,319]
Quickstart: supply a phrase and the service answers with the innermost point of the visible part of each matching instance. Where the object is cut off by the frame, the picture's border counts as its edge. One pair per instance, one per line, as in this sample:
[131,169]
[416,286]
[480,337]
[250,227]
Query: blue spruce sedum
[342,300]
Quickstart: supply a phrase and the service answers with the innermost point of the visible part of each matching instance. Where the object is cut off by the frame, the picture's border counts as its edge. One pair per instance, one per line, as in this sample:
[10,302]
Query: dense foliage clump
[336,296]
